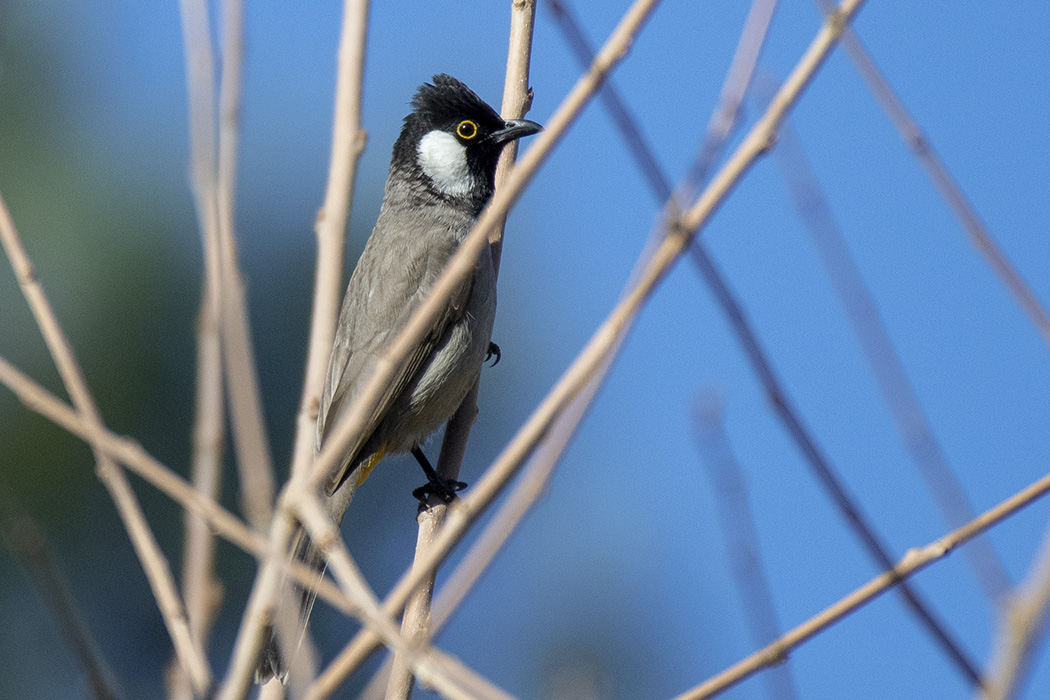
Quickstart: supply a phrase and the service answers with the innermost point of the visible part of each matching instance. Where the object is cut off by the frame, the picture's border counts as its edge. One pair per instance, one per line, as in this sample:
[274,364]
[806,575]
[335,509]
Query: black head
[451,142]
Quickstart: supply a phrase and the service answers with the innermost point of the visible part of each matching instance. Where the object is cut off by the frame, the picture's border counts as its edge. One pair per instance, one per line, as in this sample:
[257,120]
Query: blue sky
[623,562]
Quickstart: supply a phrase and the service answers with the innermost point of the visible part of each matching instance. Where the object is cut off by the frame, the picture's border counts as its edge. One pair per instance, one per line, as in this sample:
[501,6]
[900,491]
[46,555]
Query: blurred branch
[914,561]
[718,129]
[254,462]
[1022,627]
[517,97]
[200,585]
[741,540]
[731,99]
[348,142]
[356,419]
[28,543]
[882,359]
[462,515]
[452,680]
[918,142]
[592,360]
[149,553]
[137,460]
[213,153]
[202,589]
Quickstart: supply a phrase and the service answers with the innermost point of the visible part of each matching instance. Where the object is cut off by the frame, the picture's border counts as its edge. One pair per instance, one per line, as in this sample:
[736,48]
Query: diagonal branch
[517,97]
[914,561]
[718,128]
[29,544]
[131,455]
[599,350]
[916,139]
[149,553]
[885,365]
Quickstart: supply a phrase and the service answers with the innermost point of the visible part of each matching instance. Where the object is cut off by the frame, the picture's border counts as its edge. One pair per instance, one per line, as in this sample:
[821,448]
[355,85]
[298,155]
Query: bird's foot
[445,489]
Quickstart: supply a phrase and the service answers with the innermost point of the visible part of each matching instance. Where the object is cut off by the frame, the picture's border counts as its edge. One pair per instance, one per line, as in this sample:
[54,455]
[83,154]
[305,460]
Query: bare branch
[738,529]
[913,135]
[429,666]
[517,97]
[131,455]
[149,553]
[201,588]
[885,365]
[1022,626]
[578,378]
[914,561]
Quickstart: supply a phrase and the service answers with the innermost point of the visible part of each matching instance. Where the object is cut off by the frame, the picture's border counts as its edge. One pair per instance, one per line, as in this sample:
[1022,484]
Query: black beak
[515,129]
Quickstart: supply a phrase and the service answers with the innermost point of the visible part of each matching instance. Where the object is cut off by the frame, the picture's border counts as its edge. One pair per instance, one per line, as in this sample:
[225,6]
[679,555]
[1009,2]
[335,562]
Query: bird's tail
[275,661]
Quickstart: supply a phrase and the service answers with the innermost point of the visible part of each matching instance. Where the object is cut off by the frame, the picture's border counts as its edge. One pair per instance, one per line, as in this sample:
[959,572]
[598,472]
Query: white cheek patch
[444,160]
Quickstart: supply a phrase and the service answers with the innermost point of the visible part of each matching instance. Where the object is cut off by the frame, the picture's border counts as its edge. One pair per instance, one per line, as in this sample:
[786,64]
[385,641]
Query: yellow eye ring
[466,130]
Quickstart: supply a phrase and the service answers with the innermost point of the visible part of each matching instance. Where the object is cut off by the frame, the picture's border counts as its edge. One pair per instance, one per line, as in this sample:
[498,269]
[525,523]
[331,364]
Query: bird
[442,174]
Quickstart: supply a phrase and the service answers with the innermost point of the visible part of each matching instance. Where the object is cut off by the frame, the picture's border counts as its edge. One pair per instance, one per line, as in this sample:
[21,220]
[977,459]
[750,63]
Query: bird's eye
[466,130]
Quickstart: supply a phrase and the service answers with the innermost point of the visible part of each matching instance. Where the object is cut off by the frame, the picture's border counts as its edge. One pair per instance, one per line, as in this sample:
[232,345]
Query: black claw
[493,350]
[445,489]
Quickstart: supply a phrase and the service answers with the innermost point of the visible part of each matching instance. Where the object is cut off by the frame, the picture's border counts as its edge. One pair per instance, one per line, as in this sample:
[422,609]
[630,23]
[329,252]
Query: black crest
[446,101]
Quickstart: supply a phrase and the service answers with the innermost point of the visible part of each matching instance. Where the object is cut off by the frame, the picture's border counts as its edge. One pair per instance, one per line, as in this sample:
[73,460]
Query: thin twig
[1022,627]
[347,144]
[254,461]
[914,561]
[885,365]
[135,459]
[158,573]
[913,135]
[611,54]
[577,378]
[731,98]
[741,540]
[27,541]
[201,589]
[718,129]
[426,662]
[516,100]
[356,419]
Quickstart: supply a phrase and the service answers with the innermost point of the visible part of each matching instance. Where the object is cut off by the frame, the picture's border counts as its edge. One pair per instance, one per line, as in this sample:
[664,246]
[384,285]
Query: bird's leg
[445,489]
[493,350]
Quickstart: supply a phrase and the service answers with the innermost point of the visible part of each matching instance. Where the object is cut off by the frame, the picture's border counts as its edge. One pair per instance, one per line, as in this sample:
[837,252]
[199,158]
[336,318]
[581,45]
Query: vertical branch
[149,553]
[198,578]
[517,97]
[202,589]
[254,462]
[347,144]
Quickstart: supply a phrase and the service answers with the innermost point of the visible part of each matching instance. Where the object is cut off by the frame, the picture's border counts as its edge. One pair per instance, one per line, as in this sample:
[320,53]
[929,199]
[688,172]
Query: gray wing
[391,280]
